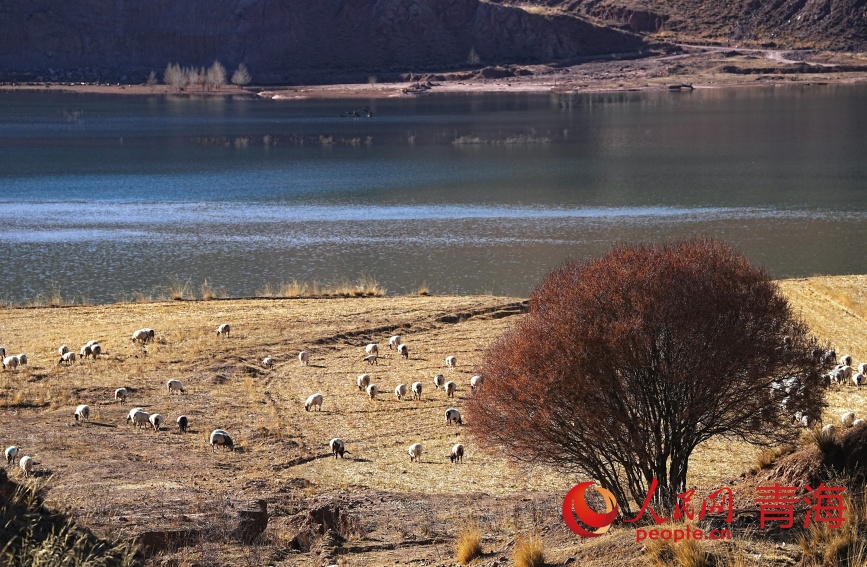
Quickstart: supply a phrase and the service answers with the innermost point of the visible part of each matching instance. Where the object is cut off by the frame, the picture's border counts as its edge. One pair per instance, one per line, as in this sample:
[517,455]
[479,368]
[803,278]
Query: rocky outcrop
[285,41]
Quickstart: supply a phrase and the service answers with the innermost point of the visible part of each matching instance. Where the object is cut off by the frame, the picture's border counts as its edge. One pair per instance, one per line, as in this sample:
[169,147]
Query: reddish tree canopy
[626,363]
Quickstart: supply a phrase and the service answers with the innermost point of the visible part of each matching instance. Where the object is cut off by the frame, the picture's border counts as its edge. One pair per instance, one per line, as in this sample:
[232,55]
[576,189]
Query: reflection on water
[107,195]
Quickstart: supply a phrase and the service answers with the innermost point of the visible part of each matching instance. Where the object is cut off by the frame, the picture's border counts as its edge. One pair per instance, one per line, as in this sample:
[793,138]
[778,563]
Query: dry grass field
[121,482]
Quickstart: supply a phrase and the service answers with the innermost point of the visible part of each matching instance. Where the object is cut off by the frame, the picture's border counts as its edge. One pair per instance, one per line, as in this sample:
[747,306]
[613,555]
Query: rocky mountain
[286,41]
[829,24]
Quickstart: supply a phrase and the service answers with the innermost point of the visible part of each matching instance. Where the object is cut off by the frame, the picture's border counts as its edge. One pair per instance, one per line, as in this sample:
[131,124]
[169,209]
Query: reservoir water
[102,196]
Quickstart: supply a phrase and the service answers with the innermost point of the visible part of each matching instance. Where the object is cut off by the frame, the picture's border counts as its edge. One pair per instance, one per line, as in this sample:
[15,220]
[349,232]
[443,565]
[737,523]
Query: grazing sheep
[451,388]
[451,362]
[393,342]
[304,358]
[63,349]
[400,391]
[26,464]
[68,358]
[96,350]
[847,419]
[829,429]
[313,400]
[372,348]
[220,437]
[223,330]
[91,342]
[120,395]
[85,351]
[156,420]
[140,418]
[22,359]
[845,372]
[456,455]
[10,362]
[11,453]
[131,414]
[858,422]
[363,381]
[268,362]
[476,381]
[859,379]
[415,452]
[829,358]
[371,359]
[453,415]
[403,350]
[372,390]
[416,390]
[143,336]
[82,413]
[846,360]
[175,386]
[862,368]
[338,447]
[183,423]
[439,380]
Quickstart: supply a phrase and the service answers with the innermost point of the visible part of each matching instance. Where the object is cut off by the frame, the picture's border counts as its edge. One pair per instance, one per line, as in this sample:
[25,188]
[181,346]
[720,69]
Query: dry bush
[685,553]
[469,544]
[208,291]
[769,456]
[844,546]
[423,289]
[529,552]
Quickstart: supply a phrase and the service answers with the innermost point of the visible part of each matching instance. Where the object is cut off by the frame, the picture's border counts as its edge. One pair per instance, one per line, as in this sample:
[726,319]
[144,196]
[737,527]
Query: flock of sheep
[139,418]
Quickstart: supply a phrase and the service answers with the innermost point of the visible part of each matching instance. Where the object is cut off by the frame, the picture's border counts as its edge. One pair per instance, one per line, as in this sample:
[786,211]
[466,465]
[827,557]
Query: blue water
[107,195]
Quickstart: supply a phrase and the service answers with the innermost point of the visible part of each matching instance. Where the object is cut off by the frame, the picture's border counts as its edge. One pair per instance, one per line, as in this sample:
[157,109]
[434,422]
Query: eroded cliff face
[284,41]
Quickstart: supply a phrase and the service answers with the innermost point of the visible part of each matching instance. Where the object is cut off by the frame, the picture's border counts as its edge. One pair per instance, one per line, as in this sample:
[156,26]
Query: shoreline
[695,67]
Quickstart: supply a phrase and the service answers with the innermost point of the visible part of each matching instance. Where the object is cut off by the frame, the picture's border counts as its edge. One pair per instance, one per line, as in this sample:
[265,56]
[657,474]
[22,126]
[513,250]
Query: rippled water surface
[102,196]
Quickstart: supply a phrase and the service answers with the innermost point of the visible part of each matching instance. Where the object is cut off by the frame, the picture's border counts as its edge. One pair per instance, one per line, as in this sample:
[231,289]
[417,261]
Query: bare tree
[174,76]
[151,80]
[627,362]
[216,76]
[241,76]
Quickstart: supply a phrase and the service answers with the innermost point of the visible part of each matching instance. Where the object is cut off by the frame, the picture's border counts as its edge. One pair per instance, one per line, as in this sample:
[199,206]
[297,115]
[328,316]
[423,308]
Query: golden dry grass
[279,444]
[469,544]
[529,552]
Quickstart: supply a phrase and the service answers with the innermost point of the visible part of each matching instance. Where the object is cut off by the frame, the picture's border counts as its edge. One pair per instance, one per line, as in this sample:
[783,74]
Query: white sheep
[120,395]
[829,430]
[26,464]
[175,386]
[183,423]
[451,362]
[862,368]
[268,362]
[156,420]
[453,416]
[451,388]
[371,359]
[858,422]
[82,413]
[22,359]
[476,381]
[140,419]
[338,447]
[91,342]
[845,360]
[313,400]
[67,358]
[11,453]
[10,362]
[372,390]
[400,391]
[372,348]
[847,419]
[85,351]
[416,390]
[439,380]
[415,452]
[394,341]
[223,330]
[96,350]
[456,455]
[220,437]
[859,379]
[363,381]
[131,414]
[403,350]
[143,336]
[63,349]
[844,373]
[304,358]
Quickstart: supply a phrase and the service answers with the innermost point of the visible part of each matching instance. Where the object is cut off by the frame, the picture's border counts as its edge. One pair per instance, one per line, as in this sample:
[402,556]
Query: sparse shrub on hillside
[469,544]
[627,362]
[529,552]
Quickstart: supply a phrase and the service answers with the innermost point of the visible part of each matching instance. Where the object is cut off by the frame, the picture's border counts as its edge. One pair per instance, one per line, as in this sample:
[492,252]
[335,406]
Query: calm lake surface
[102,196]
